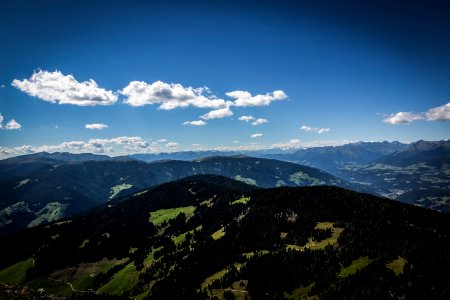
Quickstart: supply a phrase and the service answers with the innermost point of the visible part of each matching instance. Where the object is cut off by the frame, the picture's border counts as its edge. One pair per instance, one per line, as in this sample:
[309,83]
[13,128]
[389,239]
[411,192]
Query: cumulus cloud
[169,95]
[440,113]
[56,87]
[172,145]
[314,129]
[161,140]
[403,118]
[260,121]
[12,124]
[98,126]
[256,135]
[246,118]
[217,114]
[195,123]
[244,98]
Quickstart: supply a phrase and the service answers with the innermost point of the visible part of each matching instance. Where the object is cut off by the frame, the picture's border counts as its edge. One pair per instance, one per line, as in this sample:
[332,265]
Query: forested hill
[208,236]
[41,188]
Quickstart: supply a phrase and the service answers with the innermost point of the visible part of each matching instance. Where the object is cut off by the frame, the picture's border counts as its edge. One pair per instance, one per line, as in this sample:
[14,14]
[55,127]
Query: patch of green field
[51,286]
[115,190]
[182,237]
[122,281]
[17,272]
[397,265]
[242,200]
[324,225]
[51,212]
[83,282]
[257,252]
[245,180]
[164,215]
[300,293]
[84,243]
[214,277]
[355,266]
[218,234]
[320,245]
[301,177]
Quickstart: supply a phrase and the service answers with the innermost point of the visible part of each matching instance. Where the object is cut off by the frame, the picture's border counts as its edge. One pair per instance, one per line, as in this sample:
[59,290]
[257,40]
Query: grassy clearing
[242,200]
[164,215]
[315,245]
[218,234]
[51,286]
[218,275]
[257,252]
[51,212]
[124,280]
[355,266]
[182,237]
[300,293]
[17,272]
[397,265]
[115,190]
[245,180]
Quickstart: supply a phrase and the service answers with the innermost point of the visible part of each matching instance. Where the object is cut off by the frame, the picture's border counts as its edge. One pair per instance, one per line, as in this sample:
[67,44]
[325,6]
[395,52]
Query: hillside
[43,188]
[418,174]
[209,236]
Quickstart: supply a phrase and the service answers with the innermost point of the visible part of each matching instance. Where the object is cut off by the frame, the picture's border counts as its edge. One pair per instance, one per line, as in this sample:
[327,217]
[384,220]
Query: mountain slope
[331,158]
[43,189]
[201,237]
[418,174]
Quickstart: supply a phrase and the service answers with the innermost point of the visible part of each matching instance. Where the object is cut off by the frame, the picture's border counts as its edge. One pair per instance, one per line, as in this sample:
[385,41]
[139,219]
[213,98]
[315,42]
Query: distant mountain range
[39,188]
[208,236]
[42,187]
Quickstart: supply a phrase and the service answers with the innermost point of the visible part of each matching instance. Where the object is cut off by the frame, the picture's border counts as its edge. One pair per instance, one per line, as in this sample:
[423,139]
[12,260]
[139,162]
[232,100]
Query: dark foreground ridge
[212,237]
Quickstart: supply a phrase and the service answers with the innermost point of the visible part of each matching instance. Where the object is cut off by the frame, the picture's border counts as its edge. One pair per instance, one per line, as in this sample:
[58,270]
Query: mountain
[42,189]
[207,236]
[418,174]
[432,153]
[332,158]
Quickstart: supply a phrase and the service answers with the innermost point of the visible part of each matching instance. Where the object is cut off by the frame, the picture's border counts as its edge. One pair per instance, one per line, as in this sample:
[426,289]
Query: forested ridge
[211,237]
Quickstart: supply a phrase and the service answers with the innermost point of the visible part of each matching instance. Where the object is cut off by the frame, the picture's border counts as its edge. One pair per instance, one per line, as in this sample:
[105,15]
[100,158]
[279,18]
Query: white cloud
[293,143]
[161,140]
[441,113]
[236,142]
[403,118]
[172,145]
[256,135]
[169,95]
[314,129]
[195,123]
[260,121]
[244,98]
[246,118]
[98,126]
[56,87]
[12,124]
[218,114]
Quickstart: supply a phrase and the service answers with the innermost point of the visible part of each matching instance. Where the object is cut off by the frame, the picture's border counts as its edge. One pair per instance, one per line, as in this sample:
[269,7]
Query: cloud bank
[440,113]
[56,87]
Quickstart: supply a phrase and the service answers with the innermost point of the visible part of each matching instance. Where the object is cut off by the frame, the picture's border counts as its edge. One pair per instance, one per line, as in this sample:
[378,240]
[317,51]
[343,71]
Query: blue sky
[347,72]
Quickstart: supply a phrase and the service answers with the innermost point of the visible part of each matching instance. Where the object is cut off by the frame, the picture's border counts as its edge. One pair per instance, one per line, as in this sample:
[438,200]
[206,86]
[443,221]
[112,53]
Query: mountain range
[211,237]
[39,188]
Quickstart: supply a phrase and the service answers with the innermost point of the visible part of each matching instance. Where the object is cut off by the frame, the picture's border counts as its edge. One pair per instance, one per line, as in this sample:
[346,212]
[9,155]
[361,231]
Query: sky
[120,77]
